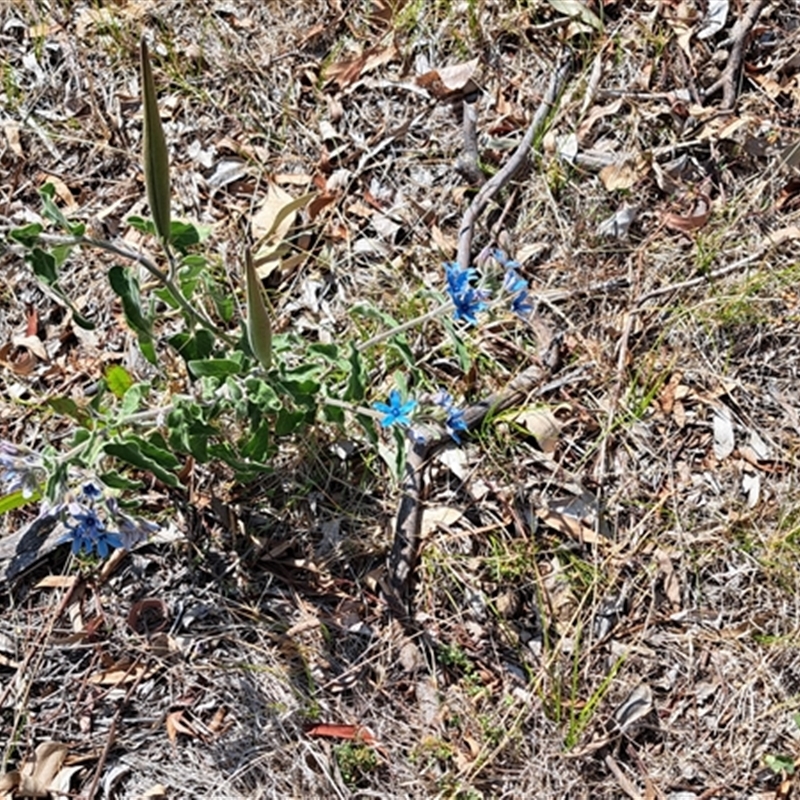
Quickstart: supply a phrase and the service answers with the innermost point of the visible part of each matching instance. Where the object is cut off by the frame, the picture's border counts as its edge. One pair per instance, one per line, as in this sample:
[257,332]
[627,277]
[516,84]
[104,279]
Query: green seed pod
[259,327]
[154,152]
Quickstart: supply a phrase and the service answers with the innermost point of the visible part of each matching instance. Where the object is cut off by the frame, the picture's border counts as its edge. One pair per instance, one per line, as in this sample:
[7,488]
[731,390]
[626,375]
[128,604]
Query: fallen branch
[501,178]
[408,523]
[469,164]
[698,281]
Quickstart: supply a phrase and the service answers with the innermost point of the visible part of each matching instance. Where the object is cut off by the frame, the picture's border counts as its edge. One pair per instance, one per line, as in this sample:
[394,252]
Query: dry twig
[728,81]
[501,178]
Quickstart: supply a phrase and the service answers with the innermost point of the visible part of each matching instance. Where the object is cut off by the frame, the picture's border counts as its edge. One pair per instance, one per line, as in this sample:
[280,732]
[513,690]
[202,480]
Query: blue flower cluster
[94,522]
[467,299]
[397,412]
[87,530]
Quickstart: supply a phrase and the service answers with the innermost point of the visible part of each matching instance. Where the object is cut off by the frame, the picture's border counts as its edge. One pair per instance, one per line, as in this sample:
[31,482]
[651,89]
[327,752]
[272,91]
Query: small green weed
[781,763]
[355,762]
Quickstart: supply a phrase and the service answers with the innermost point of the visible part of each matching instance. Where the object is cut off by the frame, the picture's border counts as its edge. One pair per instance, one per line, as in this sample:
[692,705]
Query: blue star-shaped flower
[89,532]
[396,411]
[454,423]
[503,260]
[514,283]
[469,303]
[443,399]
[521,304]
[458,278]
[91,492]
[518,286]
[467,299]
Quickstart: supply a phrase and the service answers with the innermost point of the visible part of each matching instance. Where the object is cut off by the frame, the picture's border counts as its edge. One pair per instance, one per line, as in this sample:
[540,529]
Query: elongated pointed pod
[154,151]
[259,327]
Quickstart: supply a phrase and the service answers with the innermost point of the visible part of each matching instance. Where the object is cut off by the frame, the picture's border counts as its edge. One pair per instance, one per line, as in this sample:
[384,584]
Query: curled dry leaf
[178,722]
[624,174]
[62,191]
[347,71]
[698,217]
[439,516]
[157,792]
[543,425]
[38,773]
[596,113]
[618,224]
[356,733]
[149,615]
[447,81]
[33,344]
[117,676]
[715,18]
[787,234]
[569,526]
[724,443]
[789,196]
[579,11]
[637,705]
[11,131]
[272,223]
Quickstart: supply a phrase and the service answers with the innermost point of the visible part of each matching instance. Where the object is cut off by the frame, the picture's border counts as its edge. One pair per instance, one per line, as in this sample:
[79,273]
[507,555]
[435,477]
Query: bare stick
[501,178]
[469,164]
[728,81]
[698,281]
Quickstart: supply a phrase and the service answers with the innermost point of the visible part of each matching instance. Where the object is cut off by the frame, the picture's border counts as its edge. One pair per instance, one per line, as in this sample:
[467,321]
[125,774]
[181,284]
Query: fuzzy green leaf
[126,286]
[130,452]
[118,379]
[214,367]
[27,235]
[45,268]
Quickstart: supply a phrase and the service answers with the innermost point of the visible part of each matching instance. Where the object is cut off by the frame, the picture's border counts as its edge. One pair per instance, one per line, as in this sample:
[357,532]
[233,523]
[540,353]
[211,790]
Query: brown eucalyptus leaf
[38,772]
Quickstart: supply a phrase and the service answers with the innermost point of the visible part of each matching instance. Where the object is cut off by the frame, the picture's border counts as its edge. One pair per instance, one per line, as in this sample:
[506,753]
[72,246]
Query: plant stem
[369,412]
[162,277]
[382,337]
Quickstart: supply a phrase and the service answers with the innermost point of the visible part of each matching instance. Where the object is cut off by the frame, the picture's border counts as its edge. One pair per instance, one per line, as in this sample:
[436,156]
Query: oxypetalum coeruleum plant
[244,390]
